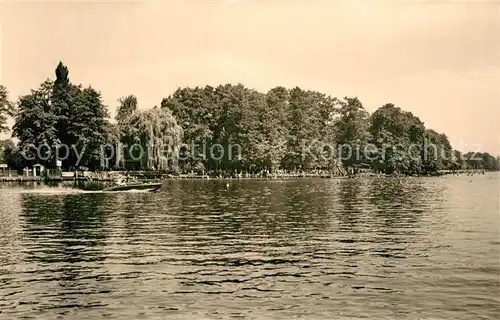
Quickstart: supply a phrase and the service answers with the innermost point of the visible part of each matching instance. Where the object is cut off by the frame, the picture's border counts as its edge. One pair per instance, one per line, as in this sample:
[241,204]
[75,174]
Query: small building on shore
[4,169]
[38,170]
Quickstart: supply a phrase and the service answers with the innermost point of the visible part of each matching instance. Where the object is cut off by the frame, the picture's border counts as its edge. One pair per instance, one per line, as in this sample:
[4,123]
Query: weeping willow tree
[161,136]
[153,136]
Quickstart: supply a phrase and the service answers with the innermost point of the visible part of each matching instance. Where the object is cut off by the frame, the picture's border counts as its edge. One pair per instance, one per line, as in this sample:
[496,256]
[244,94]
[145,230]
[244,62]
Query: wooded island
[284,130]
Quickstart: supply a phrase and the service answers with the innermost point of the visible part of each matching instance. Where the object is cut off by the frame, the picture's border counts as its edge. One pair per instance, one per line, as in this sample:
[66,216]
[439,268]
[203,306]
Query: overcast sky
[438,60]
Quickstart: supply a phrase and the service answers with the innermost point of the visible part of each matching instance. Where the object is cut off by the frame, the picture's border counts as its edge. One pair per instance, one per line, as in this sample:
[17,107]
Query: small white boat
[122,186]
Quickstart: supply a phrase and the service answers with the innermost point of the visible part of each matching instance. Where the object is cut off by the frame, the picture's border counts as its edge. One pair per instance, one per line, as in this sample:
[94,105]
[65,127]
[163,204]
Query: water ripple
[310,249]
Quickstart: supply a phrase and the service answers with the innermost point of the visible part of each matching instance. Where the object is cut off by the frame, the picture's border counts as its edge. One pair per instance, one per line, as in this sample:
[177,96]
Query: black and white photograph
[245,159]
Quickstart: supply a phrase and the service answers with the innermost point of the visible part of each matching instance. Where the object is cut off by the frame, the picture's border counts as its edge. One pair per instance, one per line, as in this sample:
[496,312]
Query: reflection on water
[312,249]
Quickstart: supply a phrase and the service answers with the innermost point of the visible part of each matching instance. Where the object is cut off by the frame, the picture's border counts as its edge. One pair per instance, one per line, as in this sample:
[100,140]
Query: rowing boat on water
[136,186]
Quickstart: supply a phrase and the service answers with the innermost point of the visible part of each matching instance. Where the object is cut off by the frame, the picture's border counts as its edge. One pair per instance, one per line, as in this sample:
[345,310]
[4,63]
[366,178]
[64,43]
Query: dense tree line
[306,130]
[228,128]
[252,131]
[63,121]
[482,160]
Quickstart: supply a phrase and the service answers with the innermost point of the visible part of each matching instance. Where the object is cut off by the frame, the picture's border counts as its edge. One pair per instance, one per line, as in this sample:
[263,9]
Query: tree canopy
[156,132]
[59,114]
[6,109]
[228,128]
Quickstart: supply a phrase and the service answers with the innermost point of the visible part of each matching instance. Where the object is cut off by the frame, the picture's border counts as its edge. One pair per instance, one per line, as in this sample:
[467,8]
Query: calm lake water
[374,248]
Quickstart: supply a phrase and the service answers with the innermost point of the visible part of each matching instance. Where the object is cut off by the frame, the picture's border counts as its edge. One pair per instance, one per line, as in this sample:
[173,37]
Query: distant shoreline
[105,176]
